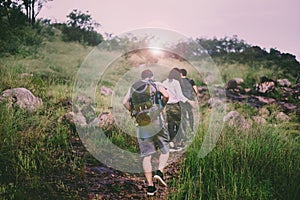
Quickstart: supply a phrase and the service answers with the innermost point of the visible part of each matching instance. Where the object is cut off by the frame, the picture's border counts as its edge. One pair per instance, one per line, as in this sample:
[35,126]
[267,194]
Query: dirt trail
[108,183]
[102,182]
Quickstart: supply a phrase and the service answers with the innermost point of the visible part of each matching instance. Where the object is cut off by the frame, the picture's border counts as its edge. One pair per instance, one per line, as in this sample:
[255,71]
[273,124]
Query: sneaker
[175,149]
[151,190]
[159,176]
[171,144]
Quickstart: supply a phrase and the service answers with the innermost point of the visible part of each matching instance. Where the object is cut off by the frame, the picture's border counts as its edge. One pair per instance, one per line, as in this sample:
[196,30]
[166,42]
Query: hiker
[145,100]
[190,91]
[173,109]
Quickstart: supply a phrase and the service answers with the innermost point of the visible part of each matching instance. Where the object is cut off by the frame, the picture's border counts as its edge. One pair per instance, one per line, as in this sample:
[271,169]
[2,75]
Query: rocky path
[102,182]
[108,183]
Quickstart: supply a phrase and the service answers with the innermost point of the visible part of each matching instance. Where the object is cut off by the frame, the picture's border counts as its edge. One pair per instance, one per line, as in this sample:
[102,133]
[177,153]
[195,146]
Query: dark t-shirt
[187,88]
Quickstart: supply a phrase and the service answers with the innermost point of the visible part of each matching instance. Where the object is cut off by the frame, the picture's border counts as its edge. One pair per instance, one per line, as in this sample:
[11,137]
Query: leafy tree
[80,27]
[217,47]
[32,9]
[81,20]
[16,34]
[11,14]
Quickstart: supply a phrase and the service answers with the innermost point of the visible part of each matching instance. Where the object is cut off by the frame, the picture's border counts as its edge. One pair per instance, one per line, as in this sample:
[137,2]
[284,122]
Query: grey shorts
[150,145]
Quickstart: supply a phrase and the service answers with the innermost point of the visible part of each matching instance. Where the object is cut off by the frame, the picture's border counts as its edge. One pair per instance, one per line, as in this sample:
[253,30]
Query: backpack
[143,102]
[187,88]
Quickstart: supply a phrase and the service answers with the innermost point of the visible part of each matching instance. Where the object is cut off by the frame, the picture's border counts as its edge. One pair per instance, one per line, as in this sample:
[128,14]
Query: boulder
[232,85]
[234,119]
[216,102]
[281,116]
[106,91]
[264,112]
[265,87]
[284,82]
[239,81]
[105,120]
[259,120]
[247,90]
[23,98]
[76,119]
[265,100]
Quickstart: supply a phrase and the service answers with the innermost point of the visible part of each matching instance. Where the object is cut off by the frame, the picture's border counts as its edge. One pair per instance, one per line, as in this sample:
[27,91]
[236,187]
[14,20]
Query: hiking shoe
[159,176]
[175,149]
[151,190]
[171,144]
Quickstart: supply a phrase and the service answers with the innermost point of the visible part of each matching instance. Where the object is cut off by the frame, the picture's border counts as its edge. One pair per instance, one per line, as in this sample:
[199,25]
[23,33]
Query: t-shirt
[187,88]
[174,90]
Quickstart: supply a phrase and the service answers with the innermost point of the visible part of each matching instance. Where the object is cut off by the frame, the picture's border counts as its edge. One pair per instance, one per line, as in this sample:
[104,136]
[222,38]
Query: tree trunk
[32,12]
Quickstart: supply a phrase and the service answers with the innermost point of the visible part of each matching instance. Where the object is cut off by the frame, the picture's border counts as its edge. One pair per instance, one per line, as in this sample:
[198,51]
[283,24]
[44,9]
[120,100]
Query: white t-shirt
[174,90]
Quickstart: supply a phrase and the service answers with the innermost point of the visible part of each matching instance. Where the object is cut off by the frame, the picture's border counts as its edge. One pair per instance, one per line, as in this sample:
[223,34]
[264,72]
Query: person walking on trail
[145,100]
[173,109]
[190,91]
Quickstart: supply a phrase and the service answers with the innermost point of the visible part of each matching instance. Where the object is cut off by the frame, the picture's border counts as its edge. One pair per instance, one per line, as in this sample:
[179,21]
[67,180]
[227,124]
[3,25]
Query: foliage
[16,35]
[30,8]
[261,163]
[223,45]
[35,154]
[232,50]
[80,28]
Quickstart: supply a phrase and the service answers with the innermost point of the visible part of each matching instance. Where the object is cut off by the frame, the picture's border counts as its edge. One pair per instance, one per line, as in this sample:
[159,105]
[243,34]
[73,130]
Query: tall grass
[235,70]
[262,163]
[38,157]
[35,154]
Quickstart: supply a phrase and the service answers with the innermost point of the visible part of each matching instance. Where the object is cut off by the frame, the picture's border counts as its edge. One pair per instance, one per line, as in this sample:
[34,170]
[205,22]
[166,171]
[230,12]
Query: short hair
[146,74]
[183,72]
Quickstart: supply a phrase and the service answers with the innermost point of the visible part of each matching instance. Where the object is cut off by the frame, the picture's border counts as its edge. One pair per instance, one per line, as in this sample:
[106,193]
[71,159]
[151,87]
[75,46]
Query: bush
[81,35]
[16,35]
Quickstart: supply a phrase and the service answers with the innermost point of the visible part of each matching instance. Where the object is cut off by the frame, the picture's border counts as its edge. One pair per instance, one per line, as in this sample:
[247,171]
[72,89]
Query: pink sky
[266,23]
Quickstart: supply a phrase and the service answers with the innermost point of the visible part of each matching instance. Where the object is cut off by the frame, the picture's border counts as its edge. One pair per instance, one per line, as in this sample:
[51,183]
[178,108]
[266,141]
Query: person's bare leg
[163,159]
[148,170]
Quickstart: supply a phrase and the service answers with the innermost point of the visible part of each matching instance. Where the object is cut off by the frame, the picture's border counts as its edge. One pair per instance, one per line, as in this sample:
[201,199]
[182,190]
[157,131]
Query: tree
[16,36]
[81,20]
[31,8]
[80,27]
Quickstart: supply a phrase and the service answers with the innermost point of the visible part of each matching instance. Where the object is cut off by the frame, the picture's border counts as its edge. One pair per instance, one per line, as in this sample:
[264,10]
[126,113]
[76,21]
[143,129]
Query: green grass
[248,73]
[262,163]
[35,155]
[36,151]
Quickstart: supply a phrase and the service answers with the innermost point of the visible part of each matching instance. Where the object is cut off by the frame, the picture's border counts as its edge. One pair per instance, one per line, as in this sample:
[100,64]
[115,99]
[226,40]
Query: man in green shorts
[152,132]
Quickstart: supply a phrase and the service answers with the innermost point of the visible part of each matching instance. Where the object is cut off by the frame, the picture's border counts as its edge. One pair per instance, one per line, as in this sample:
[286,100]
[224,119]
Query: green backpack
[143,102]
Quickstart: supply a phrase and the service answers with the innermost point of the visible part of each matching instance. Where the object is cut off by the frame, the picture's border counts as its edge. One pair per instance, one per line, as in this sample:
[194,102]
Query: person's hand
[192,103]
[133,113]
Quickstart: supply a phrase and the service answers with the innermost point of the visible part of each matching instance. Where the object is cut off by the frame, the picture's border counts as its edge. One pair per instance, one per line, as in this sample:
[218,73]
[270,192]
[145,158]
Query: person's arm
[194,86]
[164,93]
[195,89]
[126,102]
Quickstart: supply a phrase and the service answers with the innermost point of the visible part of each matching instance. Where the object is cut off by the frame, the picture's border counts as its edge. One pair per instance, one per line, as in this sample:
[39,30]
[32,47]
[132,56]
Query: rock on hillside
[21,97]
